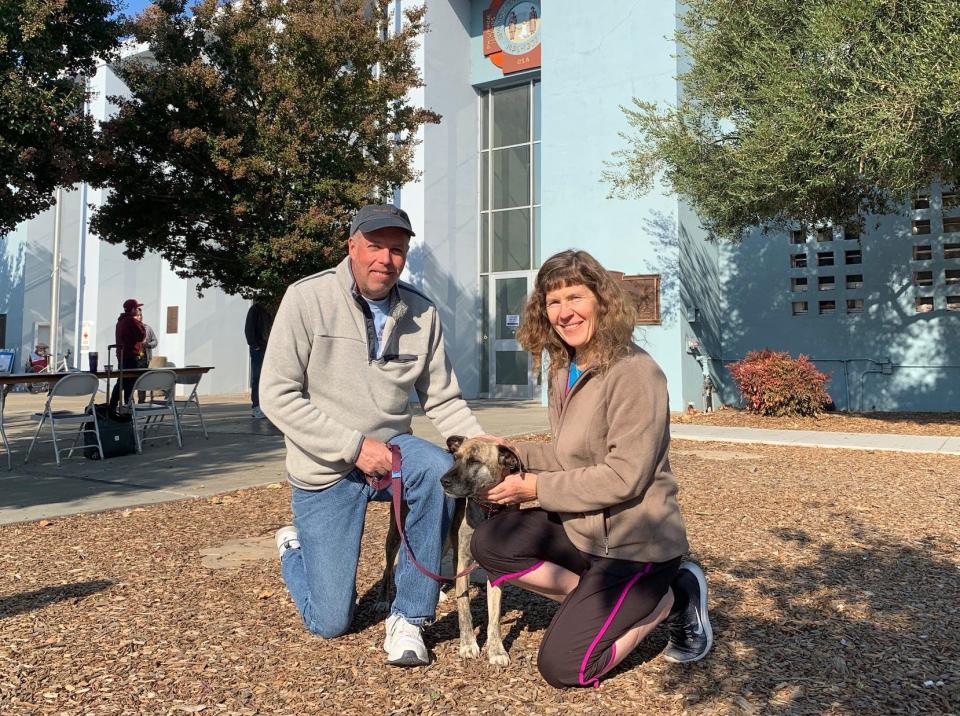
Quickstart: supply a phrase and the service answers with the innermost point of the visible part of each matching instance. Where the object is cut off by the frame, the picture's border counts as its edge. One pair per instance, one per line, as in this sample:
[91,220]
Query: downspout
[81,248]
[55,283]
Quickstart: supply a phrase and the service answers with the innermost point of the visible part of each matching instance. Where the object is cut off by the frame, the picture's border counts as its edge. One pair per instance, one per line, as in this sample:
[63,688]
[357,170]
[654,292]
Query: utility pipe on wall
[55,282]
[81,250]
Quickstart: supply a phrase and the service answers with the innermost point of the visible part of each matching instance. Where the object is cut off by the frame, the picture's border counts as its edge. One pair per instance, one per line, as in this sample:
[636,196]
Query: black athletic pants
[612,596]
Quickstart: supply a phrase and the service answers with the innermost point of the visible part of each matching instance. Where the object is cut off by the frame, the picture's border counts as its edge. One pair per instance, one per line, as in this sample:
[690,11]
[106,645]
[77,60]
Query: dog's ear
[509,462]
[454,442]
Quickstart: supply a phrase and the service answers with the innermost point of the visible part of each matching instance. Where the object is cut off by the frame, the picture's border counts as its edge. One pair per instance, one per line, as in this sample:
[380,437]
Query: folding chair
[147,415]
[74,385]
[183,405]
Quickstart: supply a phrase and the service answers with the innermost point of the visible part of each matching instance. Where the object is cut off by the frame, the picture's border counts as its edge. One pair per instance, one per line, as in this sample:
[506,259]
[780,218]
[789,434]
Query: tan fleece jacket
[324,388]
[607,472]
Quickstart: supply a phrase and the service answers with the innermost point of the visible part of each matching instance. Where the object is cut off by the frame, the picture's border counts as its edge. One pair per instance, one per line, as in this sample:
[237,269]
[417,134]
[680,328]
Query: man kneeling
[347,347]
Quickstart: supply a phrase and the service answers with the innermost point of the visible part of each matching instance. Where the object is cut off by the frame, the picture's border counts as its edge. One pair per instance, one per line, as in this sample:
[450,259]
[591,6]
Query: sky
[134,7]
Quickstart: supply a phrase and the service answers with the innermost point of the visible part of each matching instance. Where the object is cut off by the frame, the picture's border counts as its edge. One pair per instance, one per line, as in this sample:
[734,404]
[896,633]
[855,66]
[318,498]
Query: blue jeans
[322,574]
[256,364]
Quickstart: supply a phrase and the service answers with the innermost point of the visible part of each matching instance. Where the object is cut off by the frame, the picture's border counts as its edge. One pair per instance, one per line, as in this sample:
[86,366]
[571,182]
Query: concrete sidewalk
[812,438]
[240,452]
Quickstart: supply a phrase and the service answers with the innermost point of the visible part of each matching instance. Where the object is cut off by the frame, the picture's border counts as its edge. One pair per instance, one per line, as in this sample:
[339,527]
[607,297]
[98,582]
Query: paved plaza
[242,452]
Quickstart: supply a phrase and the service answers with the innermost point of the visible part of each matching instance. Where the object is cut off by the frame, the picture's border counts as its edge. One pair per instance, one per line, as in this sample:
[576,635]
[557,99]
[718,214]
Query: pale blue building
[531,109]
[513,174]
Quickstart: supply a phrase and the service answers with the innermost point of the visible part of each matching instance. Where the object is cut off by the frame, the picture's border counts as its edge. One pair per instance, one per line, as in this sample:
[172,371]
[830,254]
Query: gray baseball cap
[380,216]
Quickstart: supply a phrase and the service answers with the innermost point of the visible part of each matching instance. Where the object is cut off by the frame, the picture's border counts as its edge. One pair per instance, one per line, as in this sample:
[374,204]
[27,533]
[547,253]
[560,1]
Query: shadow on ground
[866,626]
[41,598]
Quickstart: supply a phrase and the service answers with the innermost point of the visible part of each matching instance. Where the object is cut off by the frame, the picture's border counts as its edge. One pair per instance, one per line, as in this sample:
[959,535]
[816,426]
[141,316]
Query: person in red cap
[130,335]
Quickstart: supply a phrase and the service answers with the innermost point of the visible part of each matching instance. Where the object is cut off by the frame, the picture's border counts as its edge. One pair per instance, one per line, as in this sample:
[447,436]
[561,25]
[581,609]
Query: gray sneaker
[691,634]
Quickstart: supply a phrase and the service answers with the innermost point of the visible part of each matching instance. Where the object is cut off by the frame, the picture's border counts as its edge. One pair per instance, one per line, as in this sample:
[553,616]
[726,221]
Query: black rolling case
[116,429]
[116,435]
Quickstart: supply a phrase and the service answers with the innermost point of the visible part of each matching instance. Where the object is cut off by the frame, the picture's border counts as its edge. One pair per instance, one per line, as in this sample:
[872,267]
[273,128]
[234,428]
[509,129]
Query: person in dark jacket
[257,330]
[130,335]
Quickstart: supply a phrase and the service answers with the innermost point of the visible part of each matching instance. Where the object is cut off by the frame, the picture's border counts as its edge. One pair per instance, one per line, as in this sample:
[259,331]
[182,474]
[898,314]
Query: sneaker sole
[695,570]
[408,659]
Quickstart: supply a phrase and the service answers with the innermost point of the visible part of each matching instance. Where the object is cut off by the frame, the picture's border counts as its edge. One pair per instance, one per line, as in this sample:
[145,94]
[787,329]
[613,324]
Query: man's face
[377,259]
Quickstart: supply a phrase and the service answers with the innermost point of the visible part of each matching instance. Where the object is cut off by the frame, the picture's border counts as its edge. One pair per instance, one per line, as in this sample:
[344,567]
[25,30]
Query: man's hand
[375,458]
[514,490]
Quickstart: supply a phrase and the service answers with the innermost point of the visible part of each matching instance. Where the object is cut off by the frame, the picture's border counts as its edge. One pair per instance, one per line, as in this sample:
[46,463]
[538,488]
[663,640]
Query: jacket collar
[398,307]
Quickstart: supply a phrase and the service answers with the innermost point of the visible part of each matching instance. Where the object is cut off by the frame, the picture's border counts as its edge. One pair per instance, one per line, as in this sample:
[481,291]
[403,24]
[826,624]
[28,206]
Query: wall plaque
[645,291]
[173,319]
[511,34]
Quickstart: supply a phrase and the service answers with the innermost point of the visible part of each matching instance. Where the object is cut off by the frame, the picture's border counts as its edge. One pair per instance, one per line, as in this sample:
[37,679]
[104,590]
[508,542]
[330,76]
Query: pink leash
[396,486]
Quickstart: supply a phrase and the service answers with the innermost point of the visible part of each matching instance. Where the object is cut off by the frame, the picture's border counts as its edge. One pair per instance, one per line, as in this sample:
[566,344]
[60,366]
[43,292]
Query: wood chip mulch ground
[946,424]
[835,579]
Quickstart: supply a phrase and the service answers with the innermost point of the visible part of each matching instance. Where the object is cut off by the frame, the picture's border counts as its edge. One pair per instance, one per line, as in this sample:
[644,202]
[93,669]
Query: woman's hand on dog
[514,490]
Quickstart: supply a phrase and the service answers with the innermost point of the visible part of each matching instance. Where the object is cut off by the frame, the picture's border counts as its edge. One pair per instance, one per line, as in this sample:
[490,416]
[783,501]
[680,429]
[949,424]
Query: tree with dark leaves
[253,131]
[47,48]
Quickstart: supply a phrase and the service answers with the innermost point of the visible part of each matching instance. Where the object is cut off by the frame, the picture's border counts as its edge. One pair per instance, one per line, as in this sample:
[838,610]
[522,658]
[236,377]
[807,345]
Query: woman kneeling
[607,540]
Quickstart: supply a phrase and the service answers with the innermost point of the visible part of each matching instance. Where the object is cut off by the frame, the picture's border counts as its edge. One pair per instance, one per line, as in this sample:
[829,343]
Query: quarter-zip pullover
[325,388]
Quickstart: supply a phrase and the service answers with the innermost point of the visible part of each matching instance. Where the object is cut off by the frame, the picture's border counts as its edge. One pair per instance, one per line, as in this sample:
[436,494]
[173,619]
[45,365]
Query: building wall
[890,357]
[11,287]
[702,306]
[214,336]
[442,204]
[594,62]
[37,273]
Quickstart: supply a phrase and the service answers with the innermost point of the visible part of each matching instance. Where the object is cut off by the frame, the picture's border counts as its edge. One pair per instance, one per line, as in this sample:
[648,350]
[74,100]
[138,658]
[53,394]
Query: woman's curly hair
[616,319]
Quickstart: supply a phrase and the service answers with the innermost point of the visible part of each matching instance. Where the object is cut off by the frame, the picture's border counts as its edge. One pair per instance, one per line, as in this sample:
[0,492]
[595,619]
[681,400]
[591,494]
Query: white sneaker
[287,538]
[404,643]
[257,414]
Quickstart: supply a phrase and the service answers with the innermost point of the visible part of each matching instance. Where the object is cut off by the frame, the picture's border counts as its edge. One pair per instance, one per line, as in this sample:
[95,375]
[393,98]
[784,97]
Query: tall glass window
[509,177]
[509,225]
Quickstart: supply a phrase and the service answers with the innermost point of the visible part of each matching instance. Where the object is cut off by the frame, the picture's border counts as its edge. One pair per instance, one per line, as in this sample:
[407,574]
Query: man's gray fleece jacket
[323,387]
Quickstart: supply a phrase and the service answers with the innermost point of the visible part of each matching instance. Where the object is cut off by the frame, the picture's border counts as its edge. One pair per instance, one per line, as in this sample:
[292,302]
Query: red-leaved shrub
[773,383]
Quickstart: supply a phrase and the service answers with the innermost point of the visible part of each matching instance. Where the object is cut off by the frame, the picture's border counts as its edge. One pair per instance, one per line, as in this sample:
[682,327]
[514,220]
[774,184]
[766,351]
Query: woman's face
[573,311]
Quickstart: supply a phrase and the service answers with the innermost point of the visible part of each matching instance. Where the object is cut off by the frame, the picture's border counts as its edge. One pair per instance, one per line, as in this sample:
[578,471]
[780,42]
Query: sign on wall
[511,34]
[645,291]
[86,334]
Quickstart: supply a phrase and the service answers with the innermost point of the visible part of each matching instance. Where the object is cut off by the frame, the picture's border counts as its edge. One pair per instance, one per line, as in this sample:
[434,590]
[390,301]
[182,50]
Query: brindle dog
[477,465]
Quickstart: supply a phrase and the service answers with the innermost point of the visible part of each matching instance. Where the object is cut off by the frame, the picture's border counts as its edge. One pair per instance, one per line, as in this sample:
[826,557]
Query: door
[509,364]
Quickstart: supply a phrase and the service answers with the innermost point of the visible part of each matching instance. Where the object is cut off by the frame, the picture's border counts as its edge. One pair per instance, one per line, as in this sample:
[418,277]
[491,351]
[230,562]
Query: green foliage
[813,111]
[252,134]
[46,47]
[773,383]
